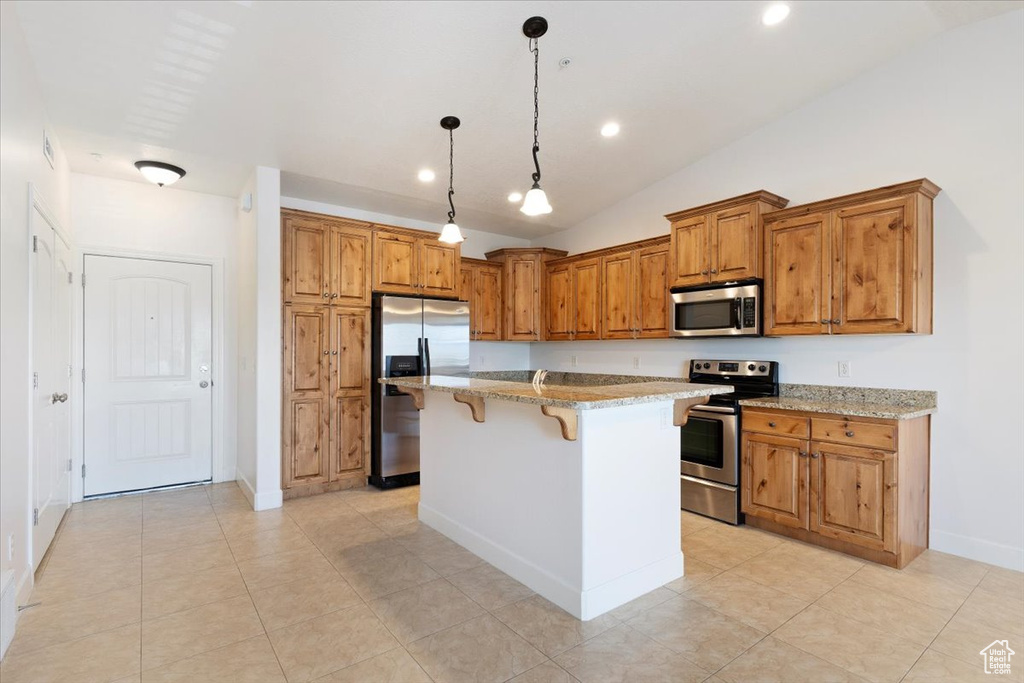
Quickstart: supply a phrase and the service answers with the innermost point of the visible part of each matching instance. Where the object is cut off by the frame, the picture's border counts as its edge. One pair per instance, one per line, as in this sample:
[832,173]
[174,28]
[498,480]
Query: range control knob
[707,365]
[763,368]
[751,367]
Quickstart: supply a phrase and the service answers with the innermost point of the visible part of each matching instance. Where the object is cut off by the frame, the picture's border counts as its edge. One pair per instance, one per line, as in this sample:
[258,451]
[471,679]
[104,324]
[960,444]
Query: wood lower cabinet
[481,285]
[857,264]
[720,242]
[413,262]
[523,291]
[574,300]
[326,260]
[851,484]
[634,292]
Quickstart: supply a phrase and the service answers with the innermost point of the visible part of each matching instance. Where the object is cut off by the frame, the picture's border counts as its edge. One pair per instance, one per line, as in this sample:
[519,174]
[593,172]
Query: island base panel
[589,524]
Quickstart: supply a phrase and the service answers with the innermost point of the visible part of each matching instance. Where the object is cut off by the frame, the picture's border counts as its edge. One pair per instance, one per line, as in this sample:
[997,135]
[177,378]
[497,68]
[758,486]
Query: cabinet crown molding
[531,251]
[758,196]
[616,249]
[921,186]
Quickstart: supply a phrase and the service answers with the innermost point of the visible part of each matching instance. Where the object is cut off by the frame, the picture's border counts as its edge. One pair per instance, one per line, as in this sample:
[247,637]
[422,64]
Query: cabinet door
[797,276]
[619,296]
[774,479]
[350,391]
[586,276]
[395,263]
[306,261]
[690,249]
[439,268]
[306,395]
[486,305]
[735,244]
[560,305]
[853,495]
[466,283]
[350,265]
[873,267]
[523,309]
[652,304]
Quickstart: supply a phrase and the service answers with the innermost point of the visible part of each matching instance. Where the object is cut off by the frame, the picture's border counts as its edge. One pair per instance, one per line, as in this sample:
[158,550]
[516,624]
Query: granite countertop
[886,404]
[576,396]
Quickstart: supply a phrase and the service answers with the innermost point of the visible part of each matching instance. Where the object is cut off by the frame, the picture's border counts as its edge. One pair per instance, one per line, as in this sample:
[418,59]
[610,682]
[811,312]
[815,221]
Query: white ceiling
[345,97]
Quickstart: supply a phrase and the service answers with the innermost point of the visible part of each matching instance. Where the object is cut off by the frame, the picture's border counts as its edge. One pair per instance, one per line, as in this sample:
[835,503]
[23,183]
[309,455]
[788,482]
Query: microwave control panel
[749,311]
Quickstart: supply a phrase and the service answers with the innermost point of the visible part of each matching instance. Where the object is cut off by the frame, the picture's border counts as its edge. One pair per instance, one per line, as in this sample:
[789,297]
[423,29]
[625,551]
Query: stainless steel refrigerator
[411,337]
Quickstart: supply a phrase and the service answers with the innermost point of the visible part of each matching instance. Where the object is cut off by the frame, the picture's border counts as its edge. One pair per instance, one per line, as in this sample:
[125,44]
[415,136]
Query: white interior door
[148,351]
[51,360]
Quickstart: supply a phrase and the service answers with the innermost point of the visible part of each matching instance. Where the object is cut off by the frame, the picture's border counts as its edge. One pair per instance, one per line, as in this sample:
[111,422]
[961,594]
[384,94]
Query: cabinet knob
[326,352]
[825,321]
[836,321]
[327,295]
[334,352]
[704,272]
[771,424]
[714,271]
[334,296]
[802,454]
[815,455]
[849,434]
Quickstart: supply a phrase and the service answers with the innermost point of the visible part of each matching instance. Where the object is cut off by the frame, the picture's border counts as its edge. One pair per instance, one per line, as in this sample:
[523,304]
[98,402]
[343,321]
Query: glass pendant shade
[536,202]
[450,234]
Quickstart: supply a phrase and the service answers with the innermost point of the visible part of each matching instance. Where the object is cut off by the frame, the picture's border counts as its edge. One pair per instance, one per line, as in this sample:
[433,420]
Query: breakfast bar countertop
[560,396]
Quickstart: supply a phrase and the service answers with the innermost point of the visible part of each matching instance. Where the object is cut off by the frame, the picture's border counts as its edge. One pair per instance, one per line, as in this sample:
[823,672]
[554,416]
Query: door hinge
[83,470]
[35,380]
[69,464]
[71,372]
[83,375]
[35,244]
[83,280]
[70,277]
[35,516]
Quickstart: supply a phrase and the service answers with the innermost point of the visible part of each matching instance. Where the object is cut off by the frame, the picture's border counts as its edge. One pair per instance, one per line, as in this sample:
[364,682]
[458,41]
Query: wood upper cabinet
[574,299]
[652,311]
[305,428]
[635,293]
[720,242]
[859,485]
[853,495]
[524,291]
[560,314]
[405,262]
[857,264]
[481,285]
[620,296]
[349,439]
[326,260]
[774,479]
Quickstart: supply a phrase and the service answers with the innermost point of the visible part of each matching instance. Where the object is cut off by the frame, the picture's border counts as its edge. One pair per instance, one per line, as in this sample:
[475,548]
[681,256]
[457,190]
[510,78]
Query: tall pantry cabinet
[326,294]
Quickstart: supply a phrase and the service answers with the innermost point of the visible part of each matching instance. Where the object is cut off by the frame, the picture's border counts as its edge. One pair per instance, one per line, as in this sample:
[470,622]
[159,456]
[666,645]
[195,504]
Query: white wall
[134,218]
[950,110]
[245,310]
[22,121]
[482,355]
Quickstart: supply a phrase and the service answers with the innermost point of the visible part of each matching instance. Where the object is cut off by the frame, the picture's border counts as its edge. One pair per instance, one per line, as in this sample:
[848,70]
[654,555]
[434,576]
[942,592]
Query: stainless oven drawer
[710,499]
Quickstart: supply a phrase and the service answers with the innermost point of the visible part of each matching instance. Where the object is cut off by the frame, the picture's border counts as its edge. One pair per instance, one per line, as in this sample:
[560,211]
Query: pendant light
[450,233]
[536,202]
[160,173]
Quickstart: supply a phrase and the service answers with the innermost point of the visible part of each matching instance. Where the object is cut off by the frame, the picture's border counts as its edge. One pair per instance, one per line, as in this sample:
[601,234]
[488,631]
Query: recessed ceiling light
[610,129]
[515,197]
[775,14]
[426,175]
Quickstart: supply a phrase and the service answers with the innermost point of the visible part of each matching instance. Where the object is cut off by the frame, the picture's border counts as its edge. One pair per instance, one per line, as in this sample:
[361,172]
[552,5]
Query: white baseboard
[977,549]
[583,605]
[268,500]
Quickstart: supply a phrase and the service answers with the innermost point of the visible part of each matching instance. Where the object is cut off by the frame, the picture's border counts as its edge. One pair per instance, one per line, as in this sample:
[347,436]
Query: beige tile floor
[193,586]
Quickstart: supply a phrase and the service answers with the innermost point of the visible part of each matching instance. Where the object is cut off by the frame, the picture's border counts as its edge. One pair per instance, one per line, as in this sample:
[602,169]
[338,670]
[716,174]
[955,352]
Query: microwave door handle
[737,311]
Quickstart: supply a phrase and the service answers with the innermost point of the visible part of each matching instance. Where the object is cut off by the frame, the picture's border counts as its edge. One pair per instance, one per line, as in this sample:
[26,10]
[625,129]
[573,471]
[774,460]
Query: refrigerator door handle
[426,353]
[419,355]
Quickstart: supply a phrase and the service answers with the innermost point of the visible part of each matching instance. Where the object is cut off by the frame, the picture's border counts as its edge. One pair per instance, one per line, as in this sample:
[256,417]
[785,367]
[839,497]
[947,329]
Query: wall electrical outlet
[636,362]
[844,368]
[573,361]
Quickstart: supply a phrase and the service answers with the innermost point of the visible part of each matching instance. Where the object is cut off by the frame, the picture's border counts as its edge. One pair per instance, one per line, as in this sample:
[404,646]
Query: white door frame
[219,466]
[38,204]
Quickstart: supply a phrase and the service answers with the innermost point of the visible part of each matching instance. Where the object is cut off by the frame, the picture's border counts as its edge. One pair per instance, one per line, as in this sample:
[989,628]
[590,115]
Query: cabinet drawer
[775,423]
[854,433]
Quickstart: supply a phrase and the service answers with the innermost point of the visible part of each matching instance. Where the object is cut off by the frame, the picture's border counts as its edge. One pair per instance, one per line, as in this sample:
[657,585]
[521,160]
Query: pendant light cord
[451,175]
[535,49]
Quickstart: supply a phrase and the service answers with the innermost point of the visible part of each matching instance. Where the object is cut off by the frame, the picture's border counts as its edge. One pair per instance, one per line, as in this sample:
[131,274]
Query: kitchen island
[572,490]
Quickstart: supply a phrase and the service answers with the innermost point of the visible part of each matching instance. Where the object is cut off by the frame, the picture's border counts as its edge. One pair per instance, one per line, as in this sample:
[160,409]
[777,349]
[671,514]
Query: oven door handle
[714,409]
[705,482]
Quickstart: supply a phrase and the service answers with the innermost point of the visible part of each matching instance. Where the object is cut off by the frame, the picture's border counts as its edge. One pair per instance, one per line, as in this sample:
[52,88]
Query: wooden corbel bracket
[681,409]
[475,403]
[567,418]
[417,396]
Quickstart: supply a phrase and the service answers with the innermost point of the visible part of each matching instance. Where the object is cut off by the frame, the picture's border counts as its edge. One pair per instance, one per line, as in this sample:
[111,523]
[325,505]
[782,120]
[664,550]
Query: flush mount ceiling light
[610,129]
[775,14]
[450,233]
[426,176]
[160,173]
[515,197]
[536,202]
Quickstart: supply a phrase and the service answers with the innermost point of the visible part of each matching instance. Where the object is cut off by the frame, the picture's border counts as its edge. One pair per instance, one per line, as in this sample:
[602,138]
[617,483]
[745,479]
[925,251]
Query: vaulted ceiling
[345,97]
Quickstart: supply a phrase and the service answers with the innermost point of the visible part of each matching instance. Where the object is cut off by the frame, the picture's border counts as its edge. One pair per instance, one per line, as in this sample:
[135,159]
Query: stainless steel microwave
[727,309]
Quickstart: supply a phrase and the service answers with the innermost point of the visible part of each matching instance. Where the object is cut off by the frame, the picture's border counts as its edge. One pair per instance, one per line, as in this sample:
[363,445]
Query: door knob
[58,398]
[204,384]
